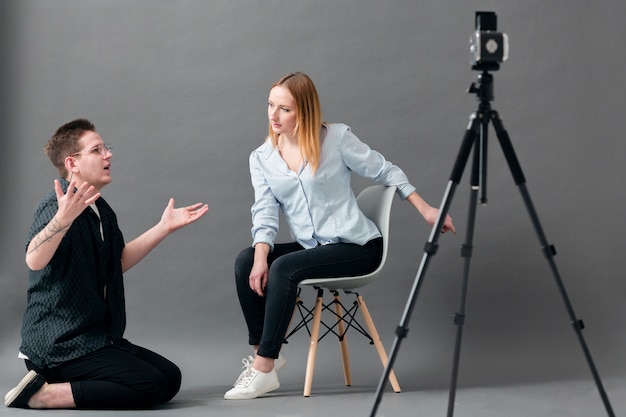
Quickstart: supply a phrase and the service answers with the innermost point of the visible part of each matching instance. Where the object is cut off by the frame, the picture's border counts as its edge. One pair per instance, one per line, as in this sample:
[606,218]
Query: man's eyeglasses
[98,150]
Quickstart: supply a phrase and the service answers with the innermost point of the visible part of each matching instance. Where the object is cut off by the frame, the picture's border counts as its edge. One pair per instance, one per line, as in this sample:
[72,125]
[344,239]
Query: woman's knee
[243,263]
[287,269]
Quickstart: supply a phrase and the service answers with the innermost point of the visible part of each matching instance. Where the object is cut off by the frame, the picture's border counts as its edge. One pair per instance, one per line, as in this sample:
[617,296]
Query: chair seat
[343,283]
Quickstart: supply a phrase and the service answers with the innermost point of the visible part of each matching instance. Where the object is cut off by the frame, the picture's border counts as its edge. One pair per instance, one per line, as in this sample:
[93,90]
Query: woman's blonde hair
[308,116]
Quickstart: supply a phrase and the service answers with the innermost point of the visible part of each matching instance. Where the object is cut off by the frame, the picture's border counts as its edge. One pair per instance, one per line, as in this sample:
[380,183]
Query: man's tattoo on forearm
[47,233]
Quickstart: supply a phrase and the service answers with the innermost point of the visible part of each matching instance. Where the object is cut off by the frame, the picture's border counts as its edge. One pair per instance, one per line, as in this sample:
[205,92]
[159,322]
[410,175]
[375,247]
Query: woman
[303,169]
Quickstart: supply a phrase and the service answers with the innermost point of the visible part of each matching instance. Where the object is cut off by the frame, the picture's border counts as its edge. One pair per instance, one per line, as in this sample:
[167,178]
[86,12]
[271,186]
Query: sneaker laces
[247,374]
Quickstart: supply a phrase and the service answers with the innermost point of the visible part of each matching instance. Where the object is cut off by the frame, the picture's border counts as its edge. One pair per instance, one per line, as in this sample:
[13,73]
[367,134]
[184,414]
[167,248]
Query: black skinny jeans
[128,377]
[268,317]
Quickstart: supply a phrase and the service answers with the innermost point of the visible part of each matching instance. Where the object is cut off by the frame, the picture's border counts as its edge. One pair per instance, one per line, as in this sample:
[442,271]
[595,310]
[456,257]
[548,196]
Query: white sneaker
[247,365]
[252,383]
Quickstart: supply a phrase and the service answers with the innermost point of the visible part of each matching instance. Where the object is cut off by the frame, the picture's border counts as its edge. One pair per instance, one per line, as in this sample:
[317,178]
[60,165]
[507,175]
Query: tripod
[476,138]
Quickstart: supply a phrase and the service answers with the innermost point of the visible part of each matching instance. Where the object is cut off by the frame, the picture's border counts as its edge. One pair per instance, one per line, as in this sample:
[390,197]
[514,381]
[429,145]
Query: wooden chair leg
[315,332]
[377,342]
[343,341]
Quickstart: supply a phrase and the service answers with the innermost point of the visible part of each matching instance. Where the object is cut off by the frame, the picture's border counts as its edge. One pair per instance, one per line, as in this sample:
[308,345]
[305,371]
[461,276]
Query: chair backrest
[375,202]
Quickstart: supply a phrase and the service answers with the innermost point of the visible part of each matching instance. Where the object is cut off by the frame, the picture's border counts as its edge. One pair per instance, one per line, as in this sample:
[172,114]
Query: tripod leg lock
[578,324]
[401,332]
[459,319]
[549,251]
[466,251]
[430,248]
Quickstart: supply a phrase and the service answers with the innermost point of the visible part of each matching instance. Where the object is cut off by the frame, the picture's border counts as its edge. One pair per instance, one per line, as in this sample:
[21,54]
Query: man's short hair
[64,142]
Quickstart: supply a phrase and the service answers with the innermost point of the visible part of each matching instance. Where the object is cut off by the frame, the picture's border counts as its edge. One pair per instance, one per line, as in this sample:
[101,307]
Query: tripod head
[483,88]
[488,48]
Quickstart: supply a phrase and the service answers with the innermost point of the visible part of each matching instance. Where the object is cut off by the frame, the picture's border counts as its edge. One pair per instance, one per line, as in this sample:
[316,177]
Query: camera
[488,47]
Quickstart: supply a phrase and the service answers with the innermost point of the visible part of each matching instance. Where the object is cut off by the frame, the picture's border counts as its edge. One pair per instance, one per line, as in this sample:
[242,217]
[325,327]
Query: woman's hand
[258,277]
[431,214]
[260,269]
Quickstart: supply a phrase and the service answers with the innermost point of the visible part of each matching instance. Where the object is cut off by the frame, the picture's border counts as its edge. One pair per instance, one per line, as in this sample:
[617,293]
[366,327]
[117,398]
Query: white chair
[375,202]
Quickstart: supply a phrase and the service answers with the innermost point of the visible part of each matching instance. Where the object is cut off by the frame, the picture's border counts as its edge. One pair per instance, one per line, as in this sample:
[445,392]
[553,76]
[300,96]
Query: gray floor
[562,398]
[572,398]
[521,377]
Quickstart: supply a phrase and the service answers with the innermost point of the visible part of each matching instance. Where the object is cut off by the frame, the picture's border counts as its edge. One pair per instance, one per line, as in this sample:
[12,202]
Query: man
[72,331]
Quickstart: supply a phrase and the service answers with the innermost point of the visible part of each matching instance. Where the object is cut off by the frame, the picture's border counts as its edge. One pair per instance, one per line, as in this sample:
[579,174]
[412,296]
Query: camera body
[488,47]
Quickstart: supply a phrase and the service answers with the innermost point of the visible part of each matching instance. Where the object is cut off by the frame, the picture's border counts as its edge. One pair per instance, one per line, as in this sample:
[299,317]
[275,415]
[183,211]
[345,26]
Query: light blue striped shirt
[319,208]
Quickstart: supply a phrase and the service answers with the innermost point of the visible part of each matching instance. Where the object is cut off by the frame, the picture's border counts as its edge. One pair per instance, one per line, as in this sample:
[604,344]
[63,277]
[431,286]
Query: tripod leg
[481,181]
[466,253]
[549,250]
[430,249]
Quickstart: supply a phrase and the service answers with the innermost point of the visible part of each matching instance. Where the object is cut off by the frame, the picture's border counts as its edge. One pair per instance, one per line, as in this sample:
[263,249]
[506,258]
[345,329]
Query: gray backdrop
[179,89]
